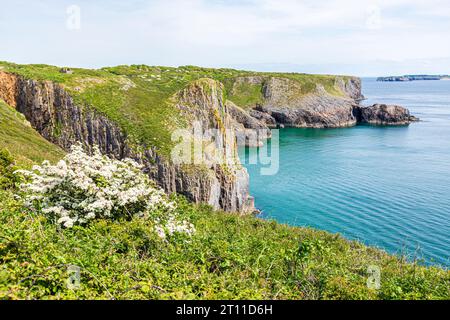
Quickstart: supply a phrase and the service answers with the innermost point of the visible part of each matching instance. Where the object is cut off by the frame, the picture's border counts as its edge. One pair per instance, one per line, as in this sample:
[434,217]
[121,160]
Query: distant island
[414,77]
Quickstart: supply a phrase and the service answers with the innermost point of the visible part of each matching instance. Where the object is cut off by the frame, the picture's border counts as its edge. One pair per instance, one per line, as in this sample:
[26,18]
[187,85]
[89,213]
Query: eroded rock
[382,114]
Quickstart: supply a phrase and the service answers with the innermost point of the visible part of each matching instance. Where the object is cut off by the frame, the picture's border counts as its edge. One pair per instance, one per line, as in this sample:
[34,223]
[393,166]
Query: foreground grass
[139,98]
[230,257]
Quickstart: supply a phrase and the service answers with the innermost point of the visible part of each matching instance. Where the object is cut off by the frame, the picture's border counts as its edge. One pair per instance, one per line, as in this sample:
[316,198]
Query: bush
[84,187]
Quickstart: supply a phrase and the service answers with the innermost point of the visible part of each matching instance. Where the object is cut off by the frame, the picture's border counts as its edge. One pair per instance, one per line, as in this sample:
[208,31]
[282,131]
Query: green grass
[230,257]
[25,144]
[139,97]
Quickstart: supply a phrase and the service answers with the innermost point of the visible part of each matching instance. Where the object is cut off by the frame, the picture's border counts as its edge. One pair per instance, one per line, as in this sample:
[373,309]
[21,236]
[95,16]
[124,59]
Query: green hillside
[25,144]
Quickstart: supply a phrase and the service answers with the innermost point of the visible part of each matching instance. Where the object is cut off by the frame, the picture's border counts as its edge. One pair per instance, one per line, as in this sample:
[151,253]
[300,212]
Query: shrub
[84,187]
[8,179]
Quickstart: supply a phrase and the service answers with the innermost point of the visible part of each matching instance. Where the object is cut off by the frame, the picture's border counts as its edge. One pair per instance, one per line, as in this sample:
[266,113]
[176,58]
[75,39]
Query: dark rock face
[244,118]
[382,114]
[351,87]
[263,117]
[52,112]
[250,131]
[285,103]
[284,106]
[227,186]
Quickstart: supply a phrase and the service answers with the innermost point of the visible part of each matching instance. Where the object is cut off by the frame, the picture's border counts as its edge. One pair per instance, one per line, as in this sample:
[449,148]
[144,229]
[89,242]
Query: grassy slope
[22,141]
[230,257]
[139,97]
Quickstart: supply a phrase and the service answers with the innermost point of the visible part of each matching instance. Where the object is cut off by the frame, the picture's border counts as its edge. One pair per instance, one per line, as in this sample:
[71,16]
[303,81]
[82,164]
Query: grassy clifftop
[140,98]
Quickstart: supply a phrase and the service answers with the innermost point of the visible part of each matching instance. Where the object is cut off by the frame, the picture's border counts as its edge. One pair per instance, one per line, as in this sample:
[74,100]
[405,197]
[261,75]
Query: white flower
[66,221]
[160,232]
[83,187]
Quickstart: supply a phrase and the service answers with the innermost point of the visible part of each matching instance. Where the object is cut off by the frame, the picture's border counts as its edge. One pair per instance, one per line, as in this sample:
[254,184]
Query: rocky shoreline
[52,112]
[282,106]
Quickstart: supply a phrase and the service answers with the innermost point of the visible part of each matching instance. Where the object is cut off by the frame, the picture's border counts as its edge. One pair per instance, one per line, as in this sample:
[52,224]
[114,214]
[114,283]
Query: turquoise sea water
[386,186]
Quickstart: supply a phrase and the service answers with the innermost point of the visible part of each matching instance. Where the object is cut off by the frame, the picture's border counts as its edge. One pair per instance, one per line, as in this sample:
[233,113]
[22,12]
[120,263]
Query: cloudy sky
[365,38]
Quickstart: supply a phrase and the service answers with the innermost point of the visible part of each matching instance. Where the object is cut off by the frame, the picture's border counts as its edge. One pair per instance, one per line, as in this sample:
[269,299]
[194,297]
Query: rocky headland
[283,105]
[131,111]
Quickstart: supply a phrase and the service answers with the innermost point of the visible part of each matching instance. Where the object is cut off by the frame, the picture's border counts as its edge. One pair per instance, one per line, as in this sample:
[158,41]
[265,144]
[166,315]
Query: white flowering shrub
[83,187]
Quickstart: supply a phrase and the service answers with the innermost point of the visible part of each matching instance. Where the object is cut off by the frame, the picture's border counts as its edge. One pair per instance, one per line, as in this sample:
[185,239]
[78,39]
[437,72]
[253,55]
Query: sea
[387,187]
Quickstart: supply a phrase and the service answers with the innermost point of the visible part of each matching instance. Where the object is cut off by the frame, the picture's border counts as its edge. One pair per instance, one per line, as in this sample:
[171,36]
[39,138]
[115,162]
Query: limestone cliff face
[351,87]
[250,130]
[203,103]
[284,104]
[316,110]
[53,113]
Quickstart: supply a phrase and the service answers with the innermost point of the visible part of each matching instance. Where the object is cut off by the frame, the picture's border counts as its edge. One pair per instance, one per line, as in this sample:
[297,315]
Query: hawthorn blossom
[84,187]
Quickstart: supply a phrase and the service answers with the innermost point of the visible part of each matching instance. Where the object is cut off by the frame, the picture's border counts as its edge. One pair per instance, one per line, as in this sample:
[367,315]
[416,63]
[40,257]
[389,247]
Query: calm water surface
[386,186]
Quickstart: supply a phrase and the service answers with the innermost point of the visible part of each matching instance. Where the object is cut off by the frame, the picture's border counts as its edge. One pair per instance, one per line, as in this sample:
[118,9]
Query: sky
[356,37]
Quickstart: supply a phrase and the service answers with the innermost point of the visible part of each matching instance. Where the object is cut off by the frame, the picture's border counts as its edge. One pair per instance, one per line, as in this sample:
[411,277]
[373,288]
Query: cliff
[300,100]
[287,102]
[52,112]
[133,111]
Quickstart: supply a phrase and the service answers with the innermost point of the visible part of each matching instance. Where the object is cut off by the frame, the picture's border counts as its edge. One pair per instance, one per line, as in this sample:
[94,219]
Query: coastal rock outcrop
[382,114]
[250,130]
[263,116]
[284,103]
[203,104]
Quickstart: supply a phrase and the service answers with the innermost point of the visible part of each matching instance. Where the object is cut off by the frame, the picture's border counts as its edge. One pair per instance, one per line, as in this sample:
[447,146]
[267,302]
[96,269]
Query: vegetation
[8,179]
[245,95]
[228,257]
[139,97]
[84,187]
[22,141]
